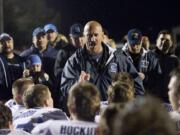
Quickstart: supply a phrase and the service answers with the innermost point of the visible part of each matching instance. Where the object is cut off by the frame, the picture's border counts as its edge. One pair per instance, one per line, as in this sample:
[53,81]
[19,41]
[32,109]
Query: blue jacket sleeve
[70,75]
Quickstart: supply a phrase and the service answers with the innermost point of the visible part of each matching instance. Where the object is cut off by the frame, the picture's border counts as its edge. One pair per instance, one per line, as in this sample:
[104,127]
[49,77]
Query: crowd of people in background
[84,84]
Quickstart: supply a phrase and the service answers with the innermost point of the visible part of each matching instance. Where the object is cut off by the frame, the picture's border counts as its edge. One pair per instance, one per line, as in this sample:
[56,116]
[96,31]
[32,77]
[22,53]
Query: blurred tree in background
[21,17]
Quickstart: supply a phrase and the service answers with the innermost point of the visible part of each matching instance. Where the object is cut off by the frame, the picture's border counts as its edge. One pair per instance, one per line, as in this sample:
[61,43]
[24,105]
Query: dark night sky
[118,16]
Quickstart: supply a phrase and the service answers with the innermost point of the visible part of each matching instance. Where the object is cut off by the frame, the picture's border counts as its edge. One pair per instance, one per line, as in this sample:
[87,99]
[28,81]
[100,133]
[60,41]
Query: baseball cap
[52,27]
[4,37]
[33,60]
[76,30]
[38,31]
[134,36]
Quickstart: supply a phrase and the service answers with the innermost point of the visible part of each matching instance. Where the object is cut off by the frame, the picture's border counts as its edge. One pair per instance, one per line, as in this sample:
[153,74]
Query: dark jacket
[148,64]
[177,51]
[63,54]
[62,57]
[101,73]
[167,63]
[6,78]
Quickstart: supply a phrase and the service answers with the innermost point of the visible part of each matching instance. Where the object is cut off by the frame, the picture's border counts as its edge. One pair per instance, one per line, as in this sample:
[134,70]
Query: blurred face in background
[51,35]
[77,41]
[164,43]
[40,41]
[145,42]
[7,46]
[36,68]
[135,49]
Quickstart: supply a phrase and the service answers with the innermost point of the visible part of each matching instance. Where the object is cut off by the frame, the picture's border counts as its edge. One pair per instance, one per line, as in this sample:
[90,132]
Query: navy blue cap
[76,30]
[134,36]
[4,37]
[37,31]
[52,27]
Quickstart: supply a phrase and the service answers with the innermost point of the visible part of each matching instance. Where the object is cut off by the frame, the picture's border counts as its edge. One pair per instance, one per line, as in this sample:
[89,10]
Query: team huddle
[88,86]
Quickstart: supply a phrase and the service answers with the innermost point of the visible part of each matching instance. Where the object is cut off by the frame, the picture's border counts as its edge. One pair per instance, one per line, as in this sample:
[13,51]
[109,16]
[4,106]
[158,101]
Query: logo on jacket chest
[113,68]
[144,66]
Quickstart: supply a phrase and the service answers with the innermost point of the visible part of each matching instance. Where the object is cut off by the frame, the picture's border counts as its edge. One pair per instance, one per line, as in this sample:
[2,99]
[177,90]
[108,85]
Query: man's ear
[46,103]
[72,109]
[18,98]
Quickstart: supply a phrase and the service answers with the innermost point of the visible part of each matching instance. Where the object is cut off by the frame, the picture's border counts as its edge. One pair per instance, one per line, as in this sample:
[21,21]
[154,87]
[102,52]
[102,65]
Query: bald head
[93,34]
[92,25]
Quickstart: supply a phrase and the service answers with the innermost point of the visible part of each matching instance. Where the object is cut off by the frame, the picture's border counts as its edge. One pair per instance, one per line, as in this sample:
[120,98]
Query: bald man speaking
[97,63]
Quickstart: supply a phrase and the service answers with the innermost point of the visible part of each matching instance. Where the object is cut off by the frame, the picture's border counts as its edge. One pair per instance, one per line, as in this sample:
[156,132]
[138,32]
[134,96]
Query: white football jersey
[29,118]
[13,132]
[14,106]
[57,127]
[104,104]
